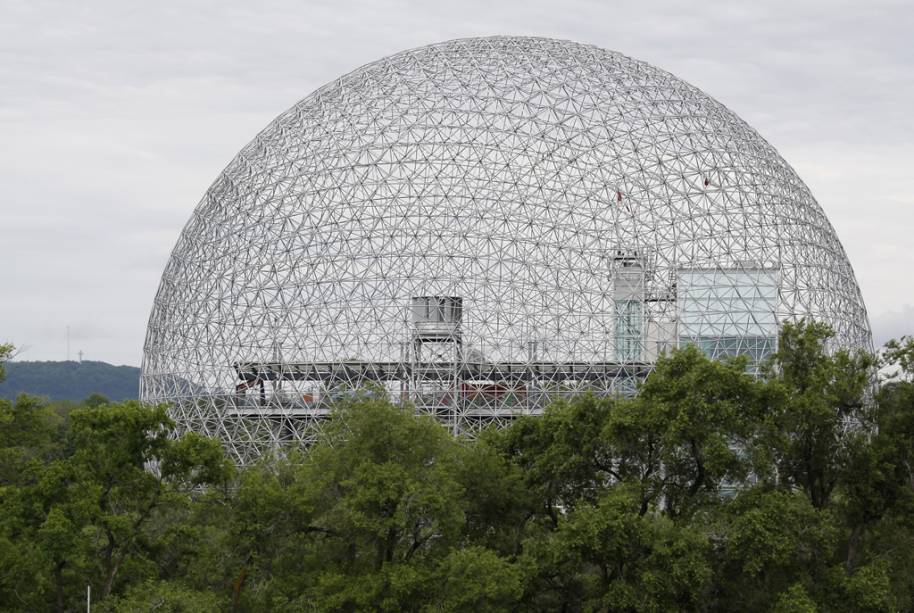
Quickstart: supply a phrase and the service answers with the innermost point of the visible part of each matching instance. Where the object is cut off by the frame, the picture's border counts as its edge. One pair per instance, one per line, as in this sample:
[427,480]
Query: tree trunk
[853,544]
[58,580]
[237,584]
[109,580]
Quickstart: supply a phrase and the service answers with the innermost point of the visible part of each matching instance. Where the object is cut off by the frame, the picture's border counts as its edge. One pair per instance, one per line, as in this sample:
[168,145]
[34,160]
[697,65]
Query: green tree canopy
[711,490]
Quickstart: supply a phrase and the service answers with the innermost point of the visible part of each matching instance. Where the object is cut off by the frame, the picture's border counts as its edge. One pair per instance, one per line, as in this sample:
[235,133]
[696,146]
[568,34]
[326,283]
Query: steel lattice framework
[477,227]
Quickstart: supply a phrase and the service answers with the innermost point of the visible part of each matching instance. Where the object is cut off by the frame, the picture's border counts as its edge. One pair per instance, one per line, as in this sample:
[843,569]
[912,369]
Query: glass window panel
[727,303]
[729,312]
[629,326]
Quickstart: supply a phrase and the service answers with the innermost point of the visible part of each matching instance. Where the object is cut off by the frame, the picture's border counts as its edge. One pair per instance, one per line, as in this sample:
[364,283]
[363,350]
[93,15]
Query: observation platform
[496,372]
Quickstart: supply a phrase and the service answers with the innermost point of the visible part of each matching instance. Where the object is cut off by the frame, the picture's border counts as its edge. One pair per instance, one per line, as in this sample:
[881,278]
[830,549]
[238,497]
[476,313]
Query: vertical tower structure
[629,301]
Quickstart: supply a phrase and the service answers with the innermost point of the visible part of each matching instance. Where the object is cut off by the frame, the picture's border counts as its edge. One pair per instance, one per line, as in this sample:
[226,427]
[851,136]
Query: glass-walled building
[729,311]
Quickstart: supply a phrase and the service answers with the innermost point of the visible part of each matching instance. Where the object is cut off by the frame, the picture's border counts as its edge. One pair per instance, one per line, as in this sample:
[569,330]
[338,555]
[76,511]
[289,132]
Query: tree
[710,490]
[607,556]
[475,578]
[6,352]
[689,433]
[163,597]
[561,456]
[83,513]
[95,400]
[820,408]
[877,486]
[371,517]
[770,543]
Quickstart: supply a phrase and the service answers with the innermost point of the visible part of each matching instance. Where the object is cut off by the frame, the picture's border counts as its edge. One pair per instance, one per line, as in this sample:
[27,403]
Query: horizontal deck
[497,372]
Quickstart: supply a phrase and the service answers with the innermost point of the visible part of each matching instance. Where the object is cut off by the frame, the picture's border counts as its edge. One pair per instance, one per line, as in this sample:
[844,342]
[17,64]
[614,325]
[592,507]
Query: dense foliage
[70,380]
[710,491]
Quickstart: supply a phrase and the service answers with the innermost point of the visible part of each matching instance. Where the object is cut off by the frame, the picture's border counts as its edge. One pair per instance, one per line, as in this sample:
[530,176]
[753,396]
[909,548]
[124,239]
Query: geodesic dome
[476,228]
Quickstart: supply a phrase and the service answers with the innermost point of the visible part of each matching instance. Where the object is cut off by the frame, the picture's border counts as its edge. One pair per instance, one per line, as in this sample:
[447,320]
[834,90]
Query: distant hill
[70,380]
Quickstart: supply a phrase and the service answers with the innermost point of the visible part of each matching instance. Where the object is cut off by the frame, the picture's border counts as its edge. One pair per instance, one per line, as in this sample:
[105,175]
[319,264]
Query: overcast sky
[116,116]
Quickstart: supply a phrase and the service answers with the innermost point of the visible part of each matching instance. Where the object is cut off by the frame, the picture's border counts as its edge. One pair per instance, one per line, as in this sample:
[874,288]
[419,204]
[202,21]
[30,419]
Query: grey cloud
[116,116]
[893,324]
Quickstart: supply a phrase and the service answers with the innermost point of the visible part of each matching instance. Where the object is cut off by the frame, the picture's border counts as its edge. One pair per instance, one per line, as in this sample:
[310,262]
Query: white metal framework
[477,227]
